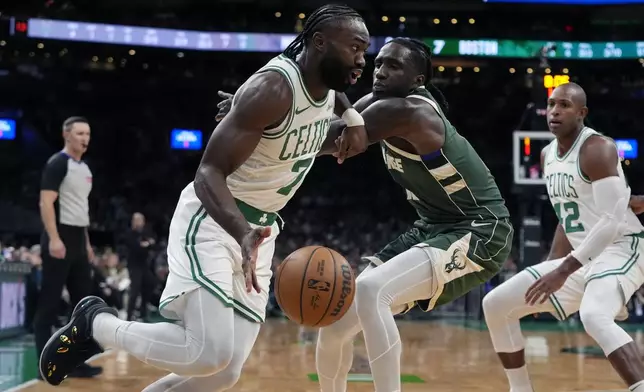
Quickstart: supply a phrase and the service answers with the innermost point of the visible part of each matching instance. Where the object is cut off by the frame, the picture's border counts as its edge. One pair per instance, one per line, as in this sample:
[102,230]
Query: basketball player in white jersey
[222,234]
[596,262]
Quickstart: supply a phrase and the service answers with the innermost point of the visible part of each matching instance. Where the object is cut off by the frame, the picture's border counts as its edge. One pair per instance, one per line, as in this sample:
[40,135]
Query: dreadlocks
[317,21]
[423,60]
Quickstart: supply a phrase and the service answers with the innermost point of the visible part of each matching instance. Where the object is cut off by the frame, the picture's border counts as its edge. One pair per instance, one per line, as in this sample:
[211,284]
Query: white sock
[519,379]
[637,387]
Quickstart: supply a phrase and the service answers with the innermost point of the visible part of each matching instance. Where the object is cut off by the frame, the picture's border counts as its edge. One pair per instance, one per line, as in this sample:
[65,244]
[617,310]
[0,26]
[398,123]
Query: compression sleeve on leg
[334,350]
[602,301]
[404,278]
[203,347]
[245,336]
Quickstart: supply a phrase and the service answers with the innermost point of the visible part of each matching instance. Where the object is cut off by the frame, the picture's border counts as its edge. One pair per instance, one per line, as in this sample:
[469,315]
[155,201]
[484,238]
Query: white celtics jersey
[571,192]
[285,154]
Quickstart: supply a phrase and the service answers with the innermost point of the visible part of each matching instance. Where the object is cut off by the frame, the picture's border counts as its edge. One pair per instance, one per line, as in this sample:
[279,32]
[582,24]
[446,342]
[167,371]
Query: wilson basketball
[314,286]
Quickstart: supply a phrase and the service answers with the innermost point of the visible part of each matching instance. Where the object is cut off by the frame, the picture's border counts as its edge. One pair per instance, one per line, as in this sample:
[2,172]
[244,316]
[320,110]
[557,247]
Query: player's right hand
[57,249]
[225,105]
[352,141]
[250,247]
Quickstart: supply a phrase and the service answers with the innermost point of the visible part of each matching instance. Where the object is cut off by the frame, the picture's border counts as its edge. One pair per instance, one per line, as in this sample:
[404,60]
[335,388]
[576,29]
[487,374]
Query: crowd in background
[132,102]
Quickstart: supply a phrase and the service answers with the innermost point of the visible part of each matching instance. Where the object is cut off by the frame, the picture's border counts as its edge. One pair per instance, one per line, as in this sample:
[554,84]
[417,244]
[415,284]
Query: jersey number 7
[300,166]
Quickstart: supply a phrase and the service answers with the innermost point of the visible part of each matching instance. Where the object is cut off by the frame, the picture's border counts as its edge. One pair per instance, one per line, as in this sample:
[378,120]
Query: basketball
[314,286]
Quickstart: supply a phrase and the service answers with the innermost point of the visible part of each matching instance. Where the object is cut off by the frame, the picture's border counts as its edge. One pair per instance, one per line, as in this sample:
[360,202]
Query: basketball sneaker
[72,345]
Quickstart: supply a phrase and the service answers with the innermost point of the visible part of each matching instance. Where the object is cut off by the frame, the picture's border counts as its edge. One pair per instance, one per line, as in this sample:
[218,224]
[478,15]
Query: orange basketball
[314,286]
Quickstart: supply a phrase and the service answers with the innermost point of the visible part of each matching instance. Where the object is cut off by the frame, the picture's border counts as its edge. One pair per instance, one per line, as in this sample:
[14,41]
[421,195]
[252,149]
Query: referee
[64,208]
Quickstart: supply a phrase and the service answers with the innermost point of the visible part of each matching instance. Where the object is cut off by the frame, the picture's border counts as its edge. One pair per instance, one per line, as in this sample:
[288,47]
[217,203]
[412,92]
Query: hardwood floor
[437,356]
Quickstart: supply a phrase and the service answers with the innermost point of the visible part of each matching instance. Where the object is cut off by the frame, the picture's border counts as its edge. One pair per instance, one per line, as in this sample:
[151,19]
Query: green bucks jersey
[275,170]
[449,185]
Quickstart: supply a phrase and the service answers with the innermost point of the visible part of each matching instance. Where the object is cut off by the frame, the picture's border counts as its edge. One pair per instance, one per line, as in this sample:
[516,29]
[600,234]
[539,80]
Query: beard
[334,73]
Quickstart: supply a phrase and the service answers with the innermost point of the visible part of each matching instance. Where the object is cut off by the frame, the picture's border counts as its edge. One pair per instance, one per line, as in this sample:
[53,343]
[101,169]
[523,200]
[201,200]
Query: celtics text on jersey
[275,170]
[571,193]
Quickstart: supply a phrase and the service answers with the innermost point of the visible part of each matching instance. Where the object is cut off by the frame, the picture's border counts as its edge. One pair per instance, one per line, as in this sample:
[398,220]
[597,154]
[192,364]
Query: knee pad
[210,355]
[502,300]
[367,292]
[331,337]
[490,303]
[594,320]
[228,377]
[603,329]
[328,336]
[599,322]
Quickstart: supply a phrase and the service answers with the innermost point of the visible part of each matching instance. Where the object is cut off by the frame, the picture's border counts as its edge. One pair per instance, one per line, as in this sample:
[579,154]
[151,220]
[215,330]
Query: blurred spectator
[139,242]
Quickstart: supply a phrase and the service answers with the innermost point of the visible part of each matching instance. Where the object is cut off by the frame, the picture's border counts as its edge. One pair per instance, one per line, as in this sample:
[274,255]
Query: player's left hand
[352,141]
[543,288]
[225,105]
[637,204]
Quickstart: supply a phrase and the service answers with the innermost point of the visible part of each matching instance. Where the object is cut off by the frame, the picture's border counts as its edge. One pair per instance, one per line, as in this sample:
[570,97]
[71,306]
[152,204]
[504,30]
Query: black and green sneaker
[73,344]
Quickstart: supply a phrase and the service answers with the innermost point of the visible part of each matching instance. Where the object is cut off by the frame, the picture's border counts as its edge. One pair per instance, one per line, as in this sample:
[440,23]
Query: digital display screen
[186,139]
[7,129]
[627,148]
[66,30]
[160,37]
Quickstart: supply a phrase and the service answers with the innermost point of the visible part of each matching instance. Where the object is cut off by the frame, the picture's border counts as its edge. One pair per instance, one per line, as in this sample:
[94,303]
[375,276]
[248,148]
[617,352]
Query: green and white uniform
[200,252]
[462,216]
[571,196]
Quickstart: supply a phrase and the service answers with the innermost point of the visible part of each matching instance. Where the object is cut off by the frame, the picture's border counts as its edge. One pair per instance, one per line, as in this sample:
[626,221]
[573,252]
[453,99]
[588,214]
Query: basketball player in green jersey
[462,236]
[223,231]
[595,264]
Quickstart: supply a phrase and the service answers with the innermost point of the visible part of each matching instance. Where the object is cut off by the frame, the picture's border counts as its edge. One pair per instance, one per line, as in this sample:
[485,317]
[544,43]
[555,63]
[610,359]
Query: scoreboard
[551,82]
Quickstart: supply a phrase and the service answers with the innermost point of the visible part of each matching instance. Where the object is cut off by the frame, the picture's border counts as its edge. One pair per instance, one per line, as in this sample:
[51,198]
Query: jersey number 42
[568,215]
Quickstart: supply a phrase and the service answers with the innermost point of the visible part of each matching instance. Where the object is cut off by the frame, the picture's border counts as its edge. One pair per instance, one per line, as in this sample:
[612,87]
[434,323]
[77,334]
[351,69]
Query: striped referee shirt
[72,180]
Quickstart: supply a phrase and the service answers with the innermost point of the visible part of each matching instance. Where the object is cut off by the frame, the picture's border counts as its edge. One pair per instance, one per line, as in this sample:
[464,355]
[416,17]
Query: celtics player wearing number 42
[596,261]
[222,234]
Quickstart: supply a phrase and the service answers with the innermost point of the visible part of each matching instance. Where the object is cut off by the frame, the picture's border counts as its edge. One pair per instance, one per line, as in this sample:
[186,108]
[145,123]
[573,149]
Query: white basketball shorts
[201,254]
[623,259]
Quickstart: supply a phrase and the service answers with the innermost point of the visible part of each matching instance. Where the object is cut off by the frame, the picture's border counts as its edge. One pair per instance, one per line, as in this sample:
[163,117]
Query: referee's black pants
[73,271]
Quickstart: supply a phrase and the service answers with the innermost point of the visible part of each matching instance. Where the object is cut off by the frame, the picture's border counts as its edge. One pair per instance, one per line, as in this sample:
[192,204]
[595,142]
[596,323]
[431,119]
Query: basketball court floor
[440,355]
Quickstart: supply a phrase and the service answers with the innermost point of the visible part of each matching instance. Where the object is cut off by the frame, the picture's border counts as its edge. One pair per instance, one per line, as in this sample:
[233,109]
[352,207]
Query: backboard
[526,156]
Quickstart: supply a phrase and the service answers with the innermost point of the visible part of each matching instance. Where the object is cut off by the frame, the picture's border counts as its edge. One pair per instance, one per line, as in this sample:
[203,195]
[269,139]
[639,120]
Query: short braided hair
[316,21]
